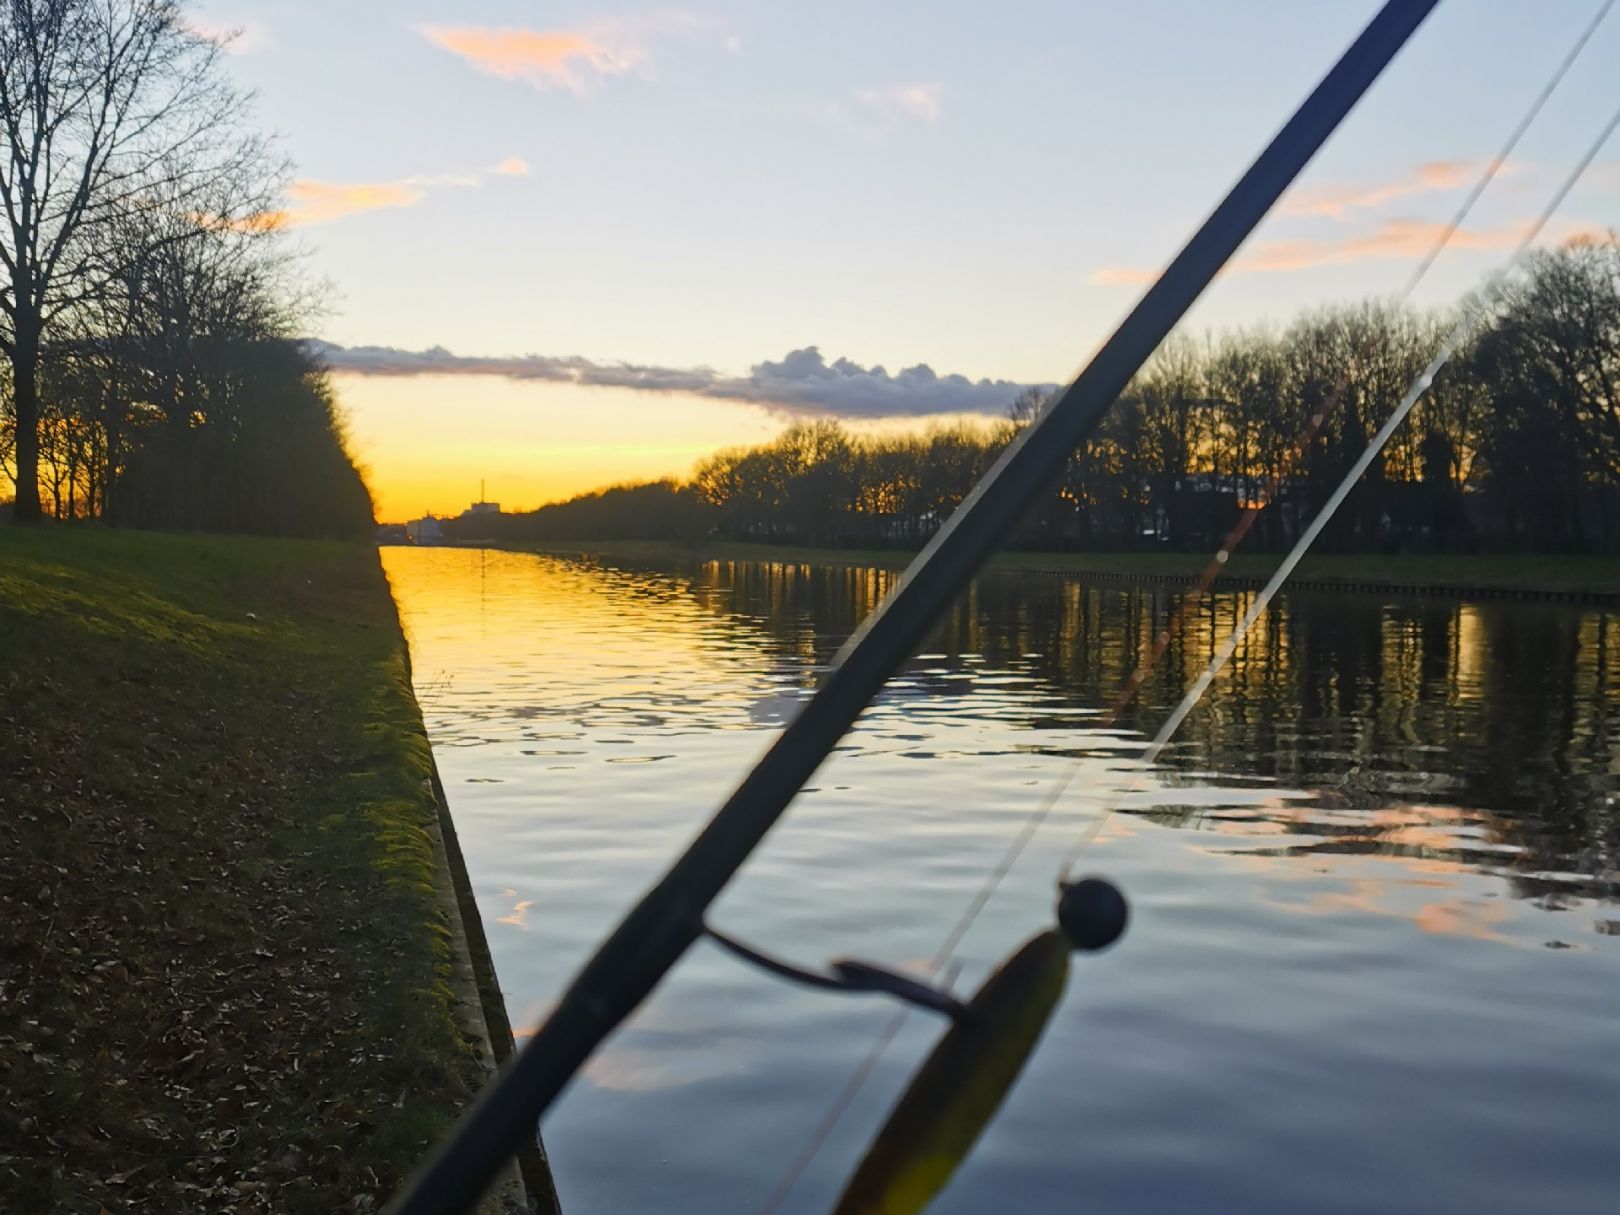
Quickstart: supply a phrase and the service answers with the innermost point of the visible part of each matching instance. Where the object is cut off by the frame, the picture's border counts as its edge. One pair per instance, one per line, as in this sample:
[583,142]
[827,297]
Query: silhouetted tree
[1517,441]
[1552,358]
[149,304]
[107,107]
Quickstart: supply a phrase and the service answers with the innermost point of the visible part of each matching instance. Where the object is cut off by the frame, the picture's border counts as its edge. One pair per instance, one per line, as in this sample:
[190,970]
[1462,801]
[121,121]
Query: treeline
[1515,447]
[656,510]
[148,299]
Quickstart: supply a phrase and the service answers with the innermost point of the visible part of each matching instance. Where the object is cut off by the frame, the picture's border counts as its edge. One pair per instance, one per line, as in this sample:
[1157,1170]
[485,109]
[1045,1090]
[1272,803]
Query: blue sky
[975,188]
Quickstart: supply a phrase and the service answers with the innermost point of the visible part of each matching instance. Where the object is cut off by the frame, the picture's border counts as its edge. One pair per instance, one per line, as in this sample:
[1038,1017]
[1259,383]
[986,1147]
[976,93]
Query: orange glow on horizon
[425,442]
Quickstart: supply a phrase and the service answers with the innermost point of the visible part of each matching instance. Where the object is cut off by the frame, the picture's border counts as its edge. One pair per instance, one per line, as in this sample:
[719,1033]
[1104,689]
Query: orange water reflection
[1348,872]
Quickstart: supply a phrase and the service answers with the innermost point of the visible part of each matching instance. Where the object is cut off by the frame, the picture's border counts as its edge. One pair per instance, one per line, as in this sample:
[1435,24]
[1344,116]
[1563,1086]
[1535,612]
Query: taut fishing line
[935,1124]
[1474,310]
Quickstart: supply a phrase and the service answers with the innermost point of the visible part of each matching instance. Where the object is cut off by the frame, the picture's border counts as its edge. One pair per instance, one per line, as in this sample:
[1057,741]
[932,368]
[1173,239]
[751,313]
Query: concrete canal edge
[526,1185]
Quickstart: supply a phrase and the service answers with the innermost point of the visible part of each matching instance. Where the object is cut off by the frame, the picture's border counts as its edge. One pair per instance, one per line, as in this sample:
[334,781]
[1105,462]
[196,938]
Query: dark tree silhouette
[1516,445]
[107,107]
[147,301]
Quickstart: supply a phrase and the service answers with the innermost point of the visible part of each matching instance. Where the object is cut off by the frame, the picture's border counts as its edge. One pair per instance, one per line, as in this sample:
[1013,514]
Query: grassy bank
[1560,574]
[223,974]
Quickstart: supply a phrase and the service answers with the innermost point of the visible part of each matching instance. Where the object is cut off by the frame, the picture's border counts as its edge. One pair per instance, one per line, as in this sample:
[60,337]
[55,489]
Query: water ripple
[1375,949]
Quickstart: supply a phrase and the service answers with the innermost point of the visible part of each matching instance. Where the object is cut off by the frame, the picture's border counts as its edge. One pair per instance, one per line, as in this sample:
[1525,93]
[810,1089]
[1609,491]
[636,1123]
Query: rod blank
[660,928]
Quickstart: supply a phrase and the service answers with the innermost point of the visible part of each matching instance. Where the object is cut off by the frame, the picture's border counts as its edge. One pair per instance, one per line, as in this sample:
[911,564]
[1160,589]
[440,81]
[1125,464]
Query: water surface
[1373,964]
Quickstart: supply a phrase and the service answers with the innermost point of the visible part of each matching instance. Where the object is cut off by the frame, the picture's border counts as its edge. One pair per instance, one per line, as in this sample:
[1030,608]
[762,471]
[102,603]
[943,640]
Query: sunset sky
[573,244]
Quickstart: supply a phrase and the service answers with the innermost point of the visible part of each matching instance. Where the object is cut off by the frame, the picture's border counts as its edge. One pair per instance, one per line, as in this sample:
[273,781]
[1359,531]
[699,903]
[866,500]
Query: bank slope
[225,972]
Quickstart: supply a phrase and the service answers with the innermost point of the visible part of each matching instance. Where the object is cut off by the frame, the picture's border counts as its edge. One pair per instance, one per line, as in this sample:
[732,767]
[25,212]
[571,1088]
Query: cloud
[924,102]
[801,383]
[1400,239]
[575,59]
[544,59]
[572,369]
[804,382]
[1123,276]
[239,38]
[1393,240]
[1335,202]
[319,202]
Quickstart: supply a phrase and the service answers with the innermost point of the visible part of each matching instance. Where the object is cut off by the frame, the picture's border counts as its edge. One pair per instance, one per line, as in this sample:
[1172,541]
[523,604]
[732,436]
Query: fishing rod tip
[1092,913]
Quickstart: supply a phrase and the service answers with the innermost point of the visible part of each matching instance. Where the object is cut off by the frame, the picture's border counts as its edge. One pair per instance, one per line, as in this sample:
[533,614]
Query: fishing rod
[943,1000]
[1474,311]
[958,1089]
[669,917]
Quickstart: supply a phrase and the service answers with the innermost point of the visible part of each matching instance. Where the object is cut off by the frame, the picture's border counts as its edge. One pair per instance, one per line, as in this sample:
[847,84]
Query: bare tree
[108,108]
[1026,406]
[1516,444]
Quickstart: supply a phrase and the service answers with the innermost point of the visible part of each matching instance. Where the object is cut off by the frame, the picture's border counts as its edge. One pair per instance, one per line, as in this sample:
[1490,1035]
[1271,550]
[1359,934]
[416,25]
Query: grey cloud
[801,383]
[390,360]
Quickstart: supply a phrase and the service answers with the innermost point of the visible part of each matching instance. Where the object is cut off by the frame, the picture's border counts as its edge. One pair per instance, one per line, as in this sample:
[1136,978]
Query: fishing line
[1134,682]
[1473,312]
[654,934]
[1512,142]
[652,937]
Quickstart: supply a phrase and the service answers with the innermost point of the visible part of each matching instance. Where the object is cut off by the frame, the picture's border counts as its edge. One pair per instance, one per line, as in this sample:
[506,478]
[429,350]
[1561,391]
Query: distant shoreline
[1576,579]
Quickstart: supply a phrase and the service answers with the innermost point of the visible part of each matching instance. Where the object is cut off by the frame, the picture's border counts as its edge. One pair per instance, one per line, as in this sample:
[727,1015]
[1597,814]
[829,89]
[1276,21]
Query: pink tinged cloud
[1335,202]
[319,202]
[1393,240]
[1397,239]
[544,59]
[924,102]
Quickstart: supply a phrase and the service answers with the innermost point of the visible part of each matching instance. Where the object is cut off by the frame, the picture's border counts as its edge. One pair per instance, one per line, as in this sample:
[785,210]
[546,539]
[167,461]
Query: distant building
[481,507]
[425,530]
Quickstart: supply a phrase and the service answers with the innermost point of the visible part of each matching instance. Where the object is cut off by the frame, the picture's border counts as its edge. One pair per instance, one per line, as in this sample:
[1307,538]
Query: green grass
[1562,574]
[224,980]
